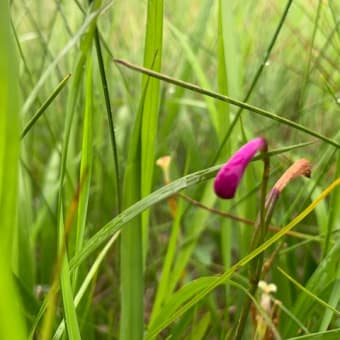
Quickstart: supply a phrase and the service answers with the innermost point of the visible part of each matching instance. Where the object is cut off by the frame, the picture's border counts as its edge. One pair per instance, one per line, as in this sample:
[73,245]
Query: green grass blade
[138,180]
[86,162]
[12,325]
[150,102]
[109,116]
[73,329]
[131,242]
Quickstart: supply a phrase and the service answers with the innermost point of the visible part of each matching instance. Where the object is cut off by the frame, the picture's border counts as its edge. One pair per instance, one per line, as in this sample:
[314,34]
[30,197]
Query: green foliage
[95,242]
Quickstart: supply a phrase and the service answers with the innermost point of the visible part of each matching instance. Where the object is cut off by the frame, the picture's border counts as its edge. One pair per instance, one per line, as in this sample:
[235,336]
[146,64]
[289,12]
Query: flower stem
[261,229]
[300,167]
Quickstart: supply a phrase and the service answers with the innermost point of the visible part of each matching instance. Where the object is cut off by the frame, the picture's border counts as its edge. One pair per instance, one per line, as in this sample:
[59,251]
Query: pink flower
[229,176]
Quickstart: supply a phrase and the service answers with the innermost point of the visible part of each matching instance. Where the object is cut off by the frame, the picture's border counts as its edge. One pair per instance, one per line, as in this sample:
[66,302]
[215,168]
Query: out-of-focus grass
[281,62]
[14,242]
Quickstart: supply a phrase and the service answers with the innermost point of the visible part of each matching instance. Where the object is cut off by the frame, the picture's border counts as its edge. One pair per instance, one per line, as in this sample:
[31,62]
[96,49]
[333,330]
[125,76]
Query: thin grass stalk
[298,235]
[311,294]
[44,106]
[109,117]
[232,101]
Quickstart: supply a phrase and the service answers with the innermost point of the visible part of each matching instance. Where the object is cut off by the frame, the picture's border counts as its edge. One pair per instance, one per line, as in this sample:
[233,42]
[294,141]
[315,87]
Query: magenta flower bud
[229,176]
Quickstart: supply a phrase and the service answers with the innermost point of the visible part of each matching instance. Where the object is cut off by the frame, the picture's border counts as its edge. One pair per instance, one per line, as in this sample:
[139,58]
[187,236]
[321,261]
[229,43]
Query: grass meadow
[115,117]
